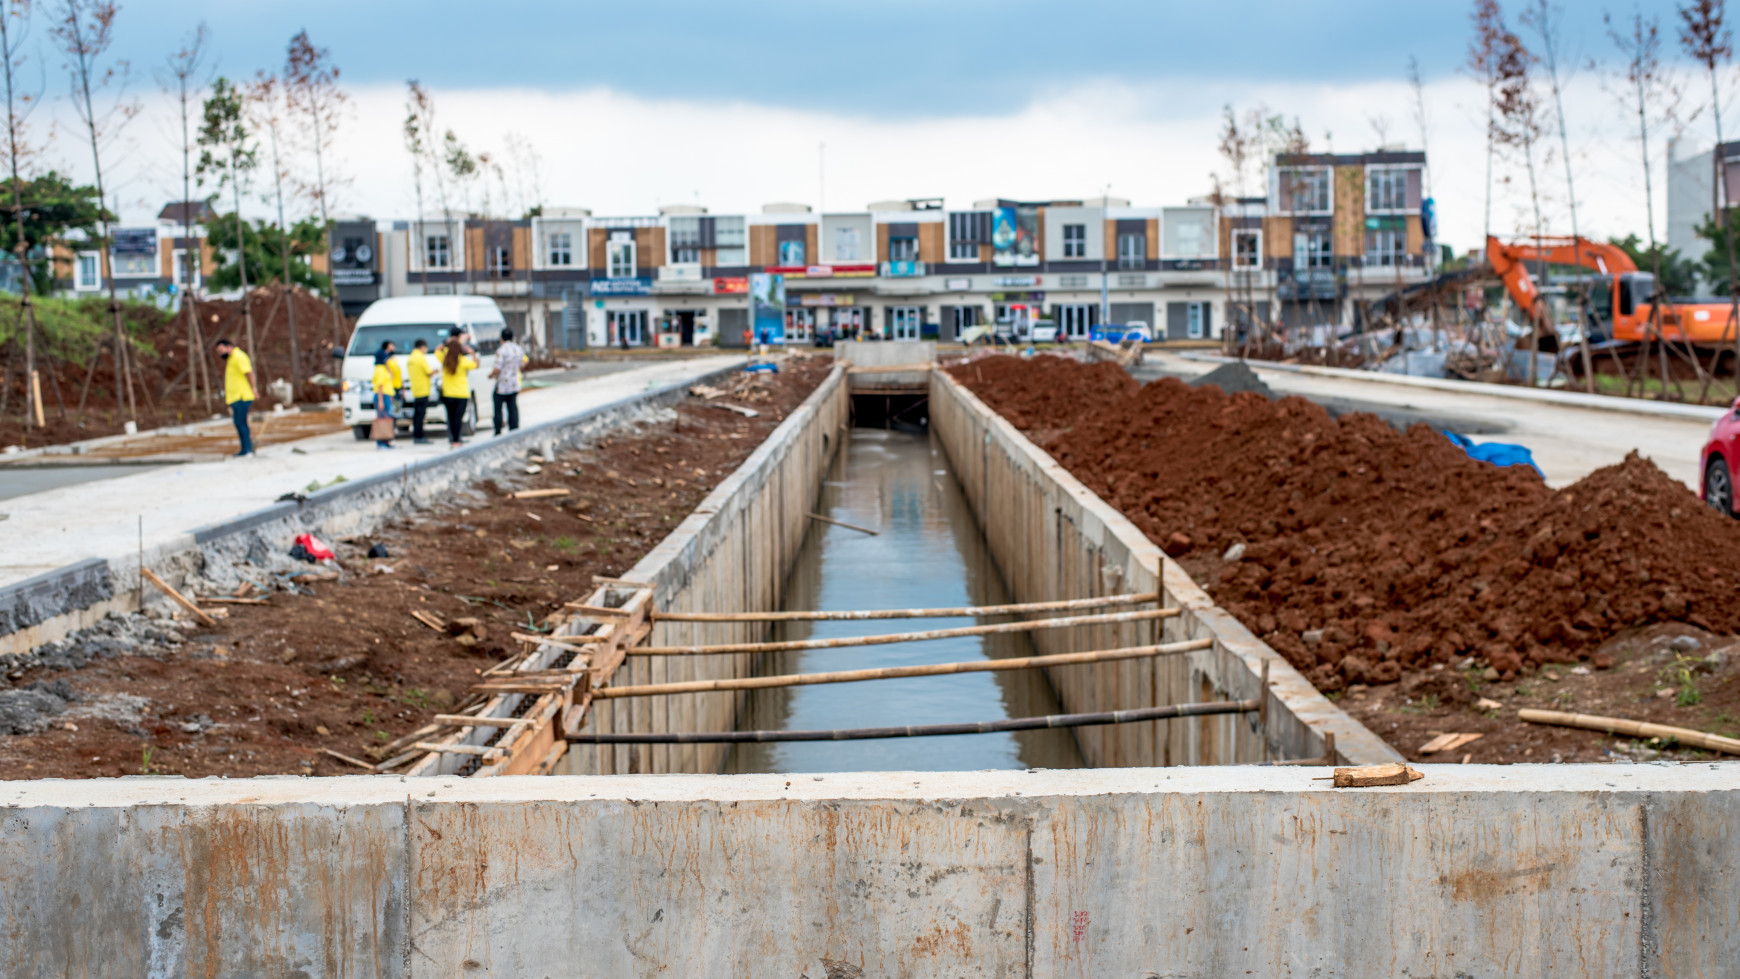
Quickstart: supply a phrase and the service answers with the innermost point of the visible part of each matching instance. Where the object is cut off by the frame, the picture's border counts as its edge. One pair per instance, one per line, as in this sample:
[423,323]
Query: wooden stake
[1390,773]
[539,494]
[912,613]
[178,598]
[899,672]
[348,760]
[848,526]
[1633,729]
[429,619]
[1030,625]
[36,396]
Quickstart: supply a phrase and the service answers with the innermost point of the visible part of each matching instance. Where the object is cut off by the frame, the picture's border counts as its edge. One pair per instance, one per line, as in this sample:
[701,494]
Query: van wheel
[361,432]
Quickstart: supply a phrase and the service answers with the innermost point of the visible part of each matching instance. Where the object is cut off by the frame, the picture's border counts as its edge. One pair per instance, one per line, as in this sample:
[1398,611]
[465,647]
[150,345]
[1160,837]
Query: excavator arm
[1510,263]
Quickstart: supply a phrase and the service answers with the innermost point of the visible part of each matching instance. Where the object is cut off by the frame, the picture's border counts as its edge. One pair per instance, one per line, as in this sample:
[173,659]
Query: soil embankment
[343,664]
[1368,556]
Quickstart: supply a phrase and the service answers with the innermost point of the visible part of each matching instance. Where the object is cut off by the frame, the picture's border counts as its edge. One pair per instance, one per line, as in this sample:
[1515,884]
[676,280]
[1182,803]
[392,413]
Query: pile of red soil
[1369,551]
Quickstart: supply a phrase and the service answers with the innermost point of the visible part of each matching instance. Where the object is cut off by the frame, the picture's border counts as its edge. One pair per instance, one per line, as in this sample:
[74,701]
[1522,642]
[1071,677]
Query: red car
[1721,459]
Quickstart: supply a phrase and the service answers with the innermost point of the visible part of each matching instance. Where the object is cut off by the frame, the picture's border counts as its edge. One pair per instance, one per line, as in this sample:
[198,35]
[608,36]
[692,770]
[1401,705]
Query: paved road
[1567,442]
[49,530]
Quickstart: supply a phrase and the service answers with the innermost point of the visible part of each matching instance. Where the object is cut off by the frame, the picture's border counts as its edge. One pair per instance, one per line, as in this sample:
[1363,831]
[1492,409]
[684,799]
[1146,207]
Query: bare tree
[462,169]
[86,30]
[1517,113]
[180,78]
[1541,18]
[1705,36]
[14,30]
[265,101]
[423,107]
[311,87]
[417,146]
[227,152]
[1483,58]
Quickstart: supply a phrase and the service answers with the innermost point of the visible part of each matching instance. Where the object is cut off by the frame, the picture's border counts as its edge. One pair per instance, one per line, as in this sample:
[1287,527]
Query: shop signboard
[732,285]
[905,269]
[767,302]
[1016,281]
[1015,236]
[135,241]
[639,285]
[957,285]
[826,299]
[823,271]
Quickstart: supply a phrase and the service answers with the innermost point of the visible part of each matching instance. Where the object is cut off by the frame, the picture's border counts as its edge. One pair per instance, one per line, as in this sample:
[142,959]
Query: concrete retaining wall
[1576,870]
[1055,539]
[733,554]
[49,606]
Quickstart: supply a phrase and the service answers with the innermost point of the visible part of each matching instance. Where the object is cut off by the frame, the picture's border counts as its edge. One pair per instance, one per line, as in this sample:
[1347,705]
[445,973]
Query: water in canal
[930,554]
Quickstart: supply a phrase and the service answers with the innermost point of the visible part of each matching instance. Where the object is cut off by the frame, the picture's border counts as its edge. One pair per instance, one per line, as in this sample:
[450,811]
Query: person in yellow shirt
[238,390]
[458,359]
[422,369]
[386,383]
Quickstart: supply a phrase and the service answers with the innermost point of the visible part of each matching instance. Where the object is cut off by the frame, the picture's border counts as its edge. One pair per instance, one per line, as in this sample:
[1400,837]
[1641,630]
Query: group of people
[450,367]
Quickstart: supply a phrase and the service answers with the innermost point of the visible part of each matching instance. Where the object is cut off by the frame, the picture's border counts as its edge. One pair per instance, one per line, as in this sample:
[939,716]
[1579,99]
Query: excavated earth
[1413,583]
[342,664]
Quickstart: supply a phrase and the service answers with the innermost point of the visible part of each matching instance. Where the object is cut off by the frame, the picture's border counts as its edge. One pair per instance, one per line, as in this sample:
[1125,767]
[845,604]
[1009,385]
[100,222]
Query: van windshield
[368,339]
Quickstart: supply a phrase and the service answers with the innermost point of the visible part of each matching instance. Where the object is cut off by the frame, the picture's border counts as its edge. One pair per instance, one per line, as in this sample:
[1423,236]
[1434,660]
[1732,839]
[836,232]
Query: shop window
[626,326]
[501,262]
[561,248]
[1195,316]
[1247,249]
[1075,241]
[847,245]
[437,252]
[1311,250]
[903,249]
[1132,250]
[963,251]
[619,252]
[791,252]
[728,238]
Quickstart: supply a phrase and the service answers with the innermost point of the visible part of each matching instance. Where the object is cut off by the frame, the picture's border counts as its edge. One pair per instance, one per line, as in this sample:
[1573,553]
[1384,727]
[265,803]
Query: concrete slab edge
[1570,399]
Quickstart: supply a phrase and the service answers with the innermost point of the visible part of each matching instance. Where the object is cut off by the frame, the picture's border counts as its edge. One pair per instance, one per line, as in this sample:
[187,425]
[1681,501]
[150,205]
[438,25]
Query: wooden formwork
[731,554]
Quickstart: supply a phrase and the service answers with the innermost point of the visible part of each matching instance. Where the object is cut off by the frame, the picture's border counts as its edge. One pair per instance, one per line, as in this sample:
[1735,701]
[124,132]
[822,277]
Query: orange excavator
[1621,299]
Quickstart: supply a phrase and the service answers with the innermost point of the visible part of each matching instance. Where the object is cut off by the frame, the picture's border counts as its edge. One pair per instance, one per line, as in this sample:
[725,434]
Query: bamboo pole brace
[913,613]
[179,598]
[558,640]
[898,672]
[1131,716]
[1635,729]
[971,630]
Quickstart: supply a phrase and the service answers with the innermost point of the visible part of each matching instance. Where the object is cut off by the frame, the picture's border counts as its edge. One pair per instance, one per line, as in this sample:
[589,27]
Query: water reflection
[930,554]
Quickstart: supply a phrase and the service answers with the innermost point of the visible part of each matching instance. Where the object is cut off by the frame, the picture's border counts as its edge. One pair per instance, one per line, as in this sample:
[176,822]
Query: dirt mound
[1235,378]
[1370,552]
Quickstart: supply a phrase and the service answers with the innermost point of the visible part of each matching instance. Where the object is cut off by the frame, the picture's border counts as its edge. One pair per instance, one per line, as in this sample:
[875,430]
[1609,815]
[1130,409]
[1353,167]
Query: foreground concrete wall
[733,554]
[1588,871]
[1055,539]
[49,606]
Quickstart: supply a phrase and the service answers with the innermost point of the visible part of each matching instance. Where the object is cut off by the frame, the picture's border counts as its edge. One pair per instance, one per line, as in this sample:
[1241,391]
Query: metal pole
[1105,282]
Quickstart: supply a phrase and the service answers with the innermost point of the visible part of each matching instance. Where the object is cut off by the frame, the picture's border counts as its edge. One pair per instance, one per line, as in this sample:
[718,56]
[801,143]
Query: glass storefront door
[903,321]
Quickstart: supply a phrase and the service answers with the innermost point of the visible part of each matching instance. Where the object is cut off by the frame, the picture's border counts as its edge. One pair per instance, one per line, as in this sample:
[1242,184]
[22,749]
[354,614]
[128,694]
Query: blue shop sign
[640,285]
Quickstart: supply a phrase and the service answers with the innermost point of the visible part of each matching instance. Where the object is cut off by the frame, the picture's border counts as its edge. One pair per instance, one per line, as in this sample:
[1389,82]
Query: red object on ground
[315,549]
[1720,463]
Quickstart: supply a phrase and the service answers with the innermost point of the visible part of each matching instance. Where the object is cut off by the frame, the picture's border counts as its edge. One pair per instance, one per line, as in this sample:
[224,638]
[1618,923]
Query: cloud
[1155,144]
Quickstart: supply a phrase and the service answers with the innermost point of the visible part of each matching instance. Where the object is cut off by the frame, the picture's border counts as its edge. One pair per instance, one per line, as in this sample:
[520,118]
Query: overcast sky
[632,105]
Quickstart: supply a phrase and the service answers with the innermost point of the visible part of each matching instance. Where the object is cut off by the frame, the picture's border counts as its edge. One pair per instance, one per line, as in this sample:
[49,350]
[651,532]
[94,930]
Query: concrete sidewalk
[1568,441]
[51,530]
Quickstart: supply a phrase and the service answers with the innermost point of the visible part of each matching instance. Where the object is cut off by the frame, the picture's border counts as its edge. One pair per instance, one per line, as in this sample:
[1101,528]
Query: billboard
[767,300]
[1015,236]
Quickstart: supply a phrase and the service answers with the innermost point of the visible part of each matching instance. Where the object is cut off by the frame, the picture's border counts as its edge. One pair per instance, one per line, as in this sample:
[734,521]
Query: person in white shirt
[510,362]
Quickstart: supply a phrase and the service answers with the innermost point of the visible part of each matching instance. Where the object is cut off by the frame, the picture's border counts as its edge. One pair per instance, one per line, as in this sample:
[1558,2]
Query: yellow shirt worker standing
[238,390]
[422,369]
[458,360]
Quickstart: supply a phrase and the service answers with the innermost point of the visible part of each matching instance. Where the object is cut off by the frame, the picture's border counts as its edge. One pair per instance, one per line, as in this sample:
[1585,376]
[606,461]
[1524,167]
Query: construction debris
[1393,773]
[178,598]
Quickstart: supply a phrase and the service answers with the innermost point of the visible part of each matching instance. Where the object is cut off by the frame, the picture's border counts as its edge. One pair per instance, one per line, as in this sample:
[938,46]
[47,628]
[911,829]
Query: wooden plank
[178,598]
[348,760]
[1393,773]
[1448,742]
[475,720]
[455,749]
[429,619]
[540,494]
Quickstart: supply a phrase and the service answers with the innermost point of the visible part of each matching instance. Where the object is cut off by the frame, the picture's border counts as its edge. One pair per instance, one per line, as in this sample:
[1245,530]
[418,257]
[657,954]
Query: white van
[404,320]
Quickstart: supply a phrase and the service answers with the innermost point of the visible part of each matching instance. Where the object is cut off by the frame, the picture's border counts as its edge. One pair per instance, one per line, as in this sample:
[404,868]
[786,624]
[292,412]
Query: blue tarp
[1497,453]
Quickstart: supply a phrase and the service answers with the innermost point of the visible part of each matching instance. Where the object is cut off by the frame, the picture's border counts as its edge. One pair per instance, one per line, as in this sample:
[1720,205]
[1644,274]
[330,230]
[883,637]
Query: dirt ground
[1390,567]
[342,665]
